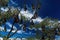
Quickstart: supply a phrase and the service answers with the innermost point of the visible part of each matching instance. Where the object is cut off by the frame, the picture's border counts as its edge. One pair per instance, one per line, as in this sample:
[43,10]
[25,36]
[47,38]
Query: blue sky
[50,8]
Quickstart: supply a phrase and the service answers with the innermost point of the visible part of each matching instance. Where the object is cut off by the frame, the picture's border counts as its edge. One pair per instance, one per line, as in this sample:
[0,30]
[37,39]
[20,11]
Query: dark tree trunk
[10,31]
[24,27]
[43,31]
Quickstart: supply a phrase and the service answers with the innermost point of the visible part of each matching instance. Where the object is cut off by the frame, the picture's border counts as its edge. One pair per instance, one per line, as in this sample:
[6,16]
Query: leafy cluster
[48,25]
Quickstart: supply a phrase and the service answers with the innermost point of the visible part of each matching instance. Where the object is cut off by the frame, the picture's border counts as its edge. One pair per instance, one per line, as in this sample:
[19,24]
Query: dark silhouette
[35,15]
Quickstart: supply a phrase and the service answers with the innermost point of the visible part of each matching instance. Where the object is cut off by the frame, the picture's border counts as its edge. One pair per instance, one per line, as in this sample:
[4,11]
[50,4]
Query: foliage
[30,38]
[3,2]
[46,22]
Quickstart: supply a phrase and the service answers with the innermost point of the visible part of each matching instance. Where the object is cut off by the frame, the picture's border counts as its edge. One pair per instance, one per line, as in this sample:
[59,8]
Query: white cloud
[13,2]
[19,31]
[58,21]
[4,9]
[26,13]
[29,15]
[8,30]
[37,20]
[40,28]
[1,28]
[10,25]
[19,16]
[1,38]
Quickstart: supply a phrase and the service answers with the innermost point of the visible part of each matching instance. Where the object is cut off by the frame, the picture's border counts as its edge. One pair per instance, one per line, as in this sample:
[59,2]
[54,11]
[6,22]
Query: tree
[42,25]
[7,15]
[49,22]
[3,2]
[47,33]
